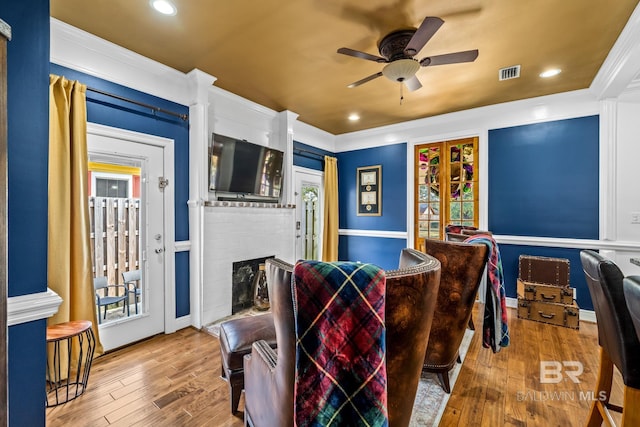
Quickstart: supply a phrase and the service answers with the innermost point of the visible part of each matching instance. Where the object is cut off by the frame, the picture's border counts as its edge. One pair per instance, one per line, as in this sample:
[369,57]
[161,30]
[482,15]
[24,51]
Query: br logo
[553,372]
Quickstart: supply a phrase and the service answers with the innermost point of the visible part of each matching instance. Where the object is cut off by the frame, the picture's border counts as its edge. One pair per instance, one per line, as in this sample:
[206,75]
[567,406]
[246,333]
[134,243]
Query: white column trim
[30,307]
[199,86]
[608,169]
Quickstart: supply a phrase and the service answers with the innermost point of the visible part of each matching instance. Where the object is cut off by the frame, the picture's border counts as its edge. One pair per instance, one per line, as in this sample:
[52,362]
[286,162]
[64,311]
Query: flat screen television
[238,168]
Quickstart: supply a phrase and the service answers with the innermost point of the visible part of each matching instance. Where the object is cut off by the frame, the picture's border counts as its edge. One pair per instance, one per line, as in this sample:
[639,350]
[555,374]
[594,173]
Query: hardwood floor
[174,380]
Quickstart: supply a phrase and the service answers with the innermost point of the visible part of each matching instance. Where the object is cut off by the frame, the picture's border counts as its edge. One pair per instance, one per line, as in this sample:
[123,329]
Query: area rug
[431,400]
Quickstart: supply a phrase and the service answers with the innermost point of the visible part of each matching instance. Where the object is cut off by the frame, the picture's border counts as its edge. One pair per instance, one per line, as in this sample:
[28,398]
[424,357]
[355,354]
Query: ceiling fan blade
[413,84]
[359,54]
[366,79]
[423,34]
[450,58]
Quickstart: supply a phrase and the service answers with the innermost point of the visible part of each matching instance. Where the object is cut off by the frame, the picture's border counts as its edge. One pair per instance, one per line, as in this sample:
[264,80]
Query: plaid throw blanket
[495,328]
[341,377]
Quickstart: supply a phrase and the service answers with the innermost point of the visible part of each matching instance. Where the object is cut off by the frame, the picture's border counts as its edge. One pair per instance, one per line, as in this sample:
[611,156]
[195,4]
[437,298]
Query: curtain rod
[184,117]
[301,152]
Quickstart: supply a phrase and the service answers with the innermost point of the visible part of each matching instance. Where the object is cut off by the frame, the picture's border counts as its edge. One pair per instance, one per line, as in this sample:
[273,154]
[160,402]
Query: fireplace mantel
[246,204]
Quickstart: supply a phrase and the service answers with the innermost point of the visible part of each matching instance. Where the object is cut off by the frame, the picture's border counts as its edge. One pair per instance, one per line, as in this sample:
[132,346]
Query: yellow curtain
[330,230]
[69,268]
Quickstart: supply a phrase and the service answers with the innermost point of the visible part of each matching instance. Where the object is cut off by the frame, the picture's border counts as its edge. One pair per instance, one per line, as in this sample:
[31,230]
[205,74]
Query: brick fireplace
[236,231]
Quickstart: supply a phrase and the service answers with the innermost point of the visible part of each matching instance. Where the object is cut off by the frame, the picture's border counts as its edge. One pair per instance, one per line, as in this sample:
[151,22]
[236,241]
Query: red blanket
[340,375]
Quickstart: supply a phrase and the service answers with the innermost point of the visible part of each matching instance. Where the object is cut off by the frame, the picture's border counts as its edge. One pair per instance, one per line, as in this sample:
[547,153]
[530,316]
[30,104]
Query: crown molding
[622,63]
[85,52]
[474,121]
[244,102]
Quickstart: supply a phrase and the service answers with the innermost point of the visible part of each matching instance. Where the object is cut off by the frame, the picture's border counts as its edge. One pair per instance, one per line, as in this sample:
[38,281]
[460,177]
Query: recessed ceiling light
[354,117]
[164,6]
[550,73]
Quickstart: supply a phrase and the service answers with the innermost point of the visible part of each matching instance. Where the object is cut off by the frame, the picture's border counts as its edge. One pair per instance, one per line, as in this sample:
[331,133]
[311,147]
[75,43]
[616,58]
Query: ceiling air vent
[508,73]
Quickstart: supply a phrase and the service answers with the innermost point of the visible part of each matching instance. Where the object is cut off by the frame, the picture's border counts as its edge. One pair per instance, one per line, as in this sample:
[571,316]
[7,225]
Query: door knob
[159,250]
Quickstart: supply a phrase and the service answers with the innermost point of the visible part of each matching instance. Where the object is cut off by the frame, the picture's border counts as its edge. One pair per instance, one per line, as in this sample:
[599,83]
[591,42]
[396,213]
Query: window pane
[454,212]
[423,209]
[434,156]
[467,191]
[467,155]
[455,192]
[434,175]
[455,153]
[467,173]
[467,210]
[423,229]
[454,175]
[423,193]
[101,188]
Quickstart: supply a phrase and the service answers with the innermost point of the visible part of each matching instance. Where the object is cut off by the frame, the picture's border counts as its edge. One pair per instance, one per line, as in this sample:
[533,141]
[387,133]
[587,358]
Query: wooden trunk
[545,293]
[548,271]
[566,315]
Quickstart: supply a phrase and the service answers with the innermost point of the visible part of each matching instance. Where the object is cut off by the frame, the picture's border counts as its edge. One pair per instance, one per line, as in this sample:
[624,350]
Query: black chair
[131,279]
[101,286]
[619,343]
[631,286]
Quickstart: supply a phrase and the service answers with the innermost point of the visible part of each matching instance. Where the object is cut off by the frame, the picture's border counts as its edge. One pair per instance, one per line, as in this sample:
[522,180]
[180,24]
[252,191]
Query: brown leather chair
[462,268]
[410,300]
[619,343]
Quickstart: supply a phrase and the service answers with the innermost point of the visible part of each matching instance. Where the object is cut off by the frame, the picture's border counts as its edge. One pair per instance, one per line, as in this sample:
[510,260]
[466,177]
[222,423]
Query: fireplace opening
[242,283]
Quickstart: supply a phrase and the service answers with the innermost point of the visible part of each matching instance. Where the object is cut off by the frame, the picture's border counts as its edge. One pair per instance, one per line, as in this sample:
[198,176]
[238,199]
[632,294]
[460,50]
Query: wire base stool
[70,348]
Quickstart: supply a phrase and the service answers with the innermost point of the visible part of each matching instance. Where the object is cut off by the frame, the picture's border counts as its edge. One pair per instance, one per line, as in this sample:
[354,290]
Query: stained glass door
[428,203]
[446,187]
[463,183]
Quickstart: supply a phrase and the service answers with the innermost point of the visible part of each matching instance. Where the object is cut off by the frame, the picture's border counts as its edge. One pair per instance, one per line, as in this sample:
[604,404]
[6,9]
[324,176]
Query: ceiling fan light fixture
[401,69]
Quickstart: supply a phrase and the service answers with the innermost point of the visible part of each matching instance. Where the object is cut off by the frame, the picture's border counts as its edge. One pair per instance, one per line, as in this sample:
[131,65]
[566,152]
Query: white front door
[145,314]
[308,200]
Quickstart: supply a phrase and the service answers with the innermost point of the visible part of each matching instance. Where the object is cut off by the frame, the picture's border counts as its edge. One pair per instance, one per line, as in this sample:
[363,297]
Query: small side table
[70,348]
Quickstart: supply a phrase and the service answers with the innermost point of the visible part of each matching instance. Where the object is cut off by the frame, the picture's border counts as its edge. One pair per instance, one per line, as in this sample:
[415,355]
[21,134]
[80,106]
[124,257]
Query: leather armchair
[462,268]
[410,301]
[619,343]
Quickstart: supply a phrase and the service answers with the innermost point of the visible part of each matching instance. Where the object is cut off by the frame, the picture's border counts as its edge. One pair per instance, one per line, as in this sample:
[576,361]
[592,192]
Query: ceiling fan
[398,49]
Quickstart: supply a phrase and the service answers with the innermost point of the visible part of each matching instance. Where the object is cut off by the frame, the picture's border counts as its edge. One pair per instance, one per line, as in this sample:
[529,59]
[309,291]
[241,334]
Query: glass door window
[446,187]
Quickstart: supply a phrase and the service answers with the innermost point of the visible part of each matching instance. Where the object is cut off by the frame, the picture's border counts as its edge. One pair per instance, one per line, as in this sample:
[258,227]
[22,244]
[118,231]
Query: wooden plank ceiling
[282,54]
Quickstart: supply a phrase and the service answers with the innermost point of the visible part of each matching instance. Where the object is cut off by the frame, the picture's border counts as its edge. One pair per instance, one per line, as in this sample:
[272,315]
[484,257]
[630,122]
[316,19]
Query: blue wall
[381,251]
[543,182]
[384,252]
[111,112]
[543,179]
[28,150]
